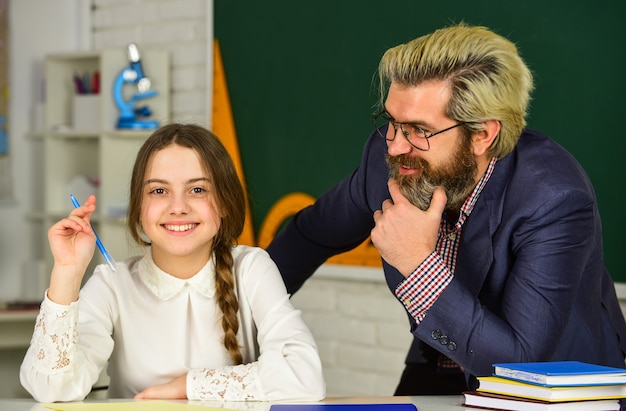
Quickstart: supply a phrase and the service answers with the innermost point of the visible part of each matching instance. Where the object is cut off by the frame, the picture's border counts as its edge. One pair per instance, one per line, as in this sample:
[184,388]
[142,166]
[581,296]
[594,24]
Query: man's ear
[482,140]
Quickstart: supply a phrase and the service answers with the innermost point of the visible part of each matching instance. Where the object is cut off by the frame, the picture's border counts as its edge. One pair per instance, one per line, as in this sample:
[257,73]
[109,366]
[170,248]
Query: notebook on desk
[343,407]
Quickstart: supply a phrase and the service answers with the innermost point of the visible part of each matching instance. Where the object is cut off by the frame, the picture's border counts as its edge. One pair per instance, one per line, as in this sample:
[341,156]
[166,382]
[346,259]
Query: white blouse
[151,327]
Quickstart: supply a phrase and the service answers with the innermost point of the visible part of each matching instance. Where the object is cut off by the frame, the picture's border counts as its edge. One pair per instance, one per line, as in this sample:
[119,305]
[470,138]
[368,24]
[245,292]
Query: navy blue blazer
[530,281]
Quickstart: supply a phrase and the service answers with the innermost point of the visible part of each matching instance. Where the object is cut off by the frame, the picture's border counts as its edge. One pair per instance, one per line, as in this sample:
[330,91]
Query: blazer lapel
[475,251]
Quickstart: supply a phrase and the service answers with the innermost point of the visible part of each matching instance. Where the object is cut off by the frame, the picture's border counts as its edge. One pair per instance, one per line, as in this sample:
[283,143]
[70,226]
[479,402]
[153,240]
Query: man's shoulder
[539,152]
[533,139]
[540,146]
[539,165]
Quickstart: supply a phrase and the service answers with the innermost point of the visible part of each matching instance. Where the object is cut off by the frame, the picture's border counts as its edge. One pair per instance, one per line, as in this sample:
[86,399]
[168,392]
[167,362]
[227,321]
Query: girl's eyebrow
[195,180]
[154,180]
[190,181]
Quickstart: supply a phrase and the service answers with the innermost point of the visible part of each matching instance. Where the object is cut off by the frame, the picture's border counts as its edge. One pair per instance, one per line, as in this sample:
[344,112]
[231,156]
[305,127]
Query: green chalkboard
[301,78]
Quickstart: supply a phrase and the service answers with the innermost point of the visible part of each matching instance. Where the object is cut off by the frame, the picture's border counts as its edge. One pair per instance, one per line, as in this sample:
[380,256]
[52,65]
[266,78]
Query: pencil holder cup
[86,112]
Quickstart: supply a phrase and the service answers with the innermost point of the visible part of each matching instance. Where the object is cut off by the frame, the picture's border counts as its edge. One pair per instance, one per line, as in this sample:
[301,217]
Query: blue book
[561,373]
[343,407]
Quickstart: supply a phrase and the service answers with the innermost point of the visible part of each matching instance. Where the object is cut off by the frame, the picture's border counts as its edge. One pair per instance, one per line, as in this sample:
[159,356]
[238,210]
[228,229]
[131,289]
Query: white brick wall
[181,27]
[362,331]
[620,290]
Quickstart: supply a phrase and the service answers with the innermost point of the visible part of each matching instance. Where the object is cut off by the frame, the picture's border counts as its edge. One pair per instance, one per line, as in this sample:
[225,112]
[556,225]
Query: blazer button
[436,334]
[452,346]
[444,340]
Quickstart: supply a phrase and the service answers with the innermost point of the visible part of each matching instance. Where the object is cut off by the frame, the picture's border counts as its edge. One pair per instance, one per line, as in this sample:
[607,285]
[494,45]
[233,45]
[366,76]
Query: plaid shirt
[419,291]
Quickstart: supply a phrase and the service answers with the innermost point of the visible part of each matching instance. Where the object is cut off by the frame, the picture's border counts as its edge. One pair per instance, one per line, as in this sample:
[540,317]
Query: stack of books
[556,385]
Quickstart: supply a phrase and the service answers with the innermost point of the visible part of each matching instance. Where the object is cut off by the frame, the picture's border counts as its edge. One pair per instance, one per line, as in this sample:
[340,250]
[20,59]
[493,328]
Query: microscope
[134,75]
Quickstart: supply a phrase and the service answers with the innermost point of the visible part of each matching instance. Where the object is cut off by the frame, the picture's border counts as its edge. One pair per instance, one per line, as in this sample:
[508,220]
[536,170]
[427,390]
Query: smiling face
[179,213]
[448,163]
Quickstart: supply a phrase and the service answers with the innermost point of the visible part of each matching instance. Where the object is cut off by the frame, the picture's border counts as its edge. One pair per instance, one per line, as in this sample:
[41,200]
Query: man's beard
[457,177]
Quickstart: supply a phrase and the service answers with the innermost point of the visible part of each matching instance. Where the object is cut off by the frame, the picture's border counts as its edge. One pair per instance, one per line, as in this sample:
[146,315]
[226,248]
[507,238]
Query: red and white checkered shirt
[419,291]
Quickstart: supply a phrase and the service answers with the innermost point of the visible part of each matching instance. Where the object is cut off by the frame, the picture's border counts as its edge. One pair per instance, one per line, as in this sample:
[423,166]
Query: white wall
[40,27]
[361,330]
[36,27]
[181,27]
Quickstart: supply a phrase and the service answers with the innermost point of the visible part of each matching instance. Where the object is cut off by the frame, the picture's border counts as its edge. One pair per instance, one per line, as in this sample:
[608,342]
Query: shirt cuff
[61,309]
[231,383]
[419,291]
[55,337]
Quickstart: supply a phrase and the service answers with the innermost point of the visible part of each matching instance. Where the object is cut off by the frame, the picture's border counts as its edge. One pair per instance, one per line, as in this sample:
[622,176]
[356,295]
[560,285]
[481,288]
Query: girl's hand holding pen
[72,242]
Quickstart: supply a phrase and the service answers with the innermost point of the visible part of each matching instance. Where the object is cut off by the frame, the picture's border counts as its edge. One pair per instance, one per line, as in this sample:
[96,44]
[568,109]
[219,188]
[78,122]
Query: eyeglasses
[414,134]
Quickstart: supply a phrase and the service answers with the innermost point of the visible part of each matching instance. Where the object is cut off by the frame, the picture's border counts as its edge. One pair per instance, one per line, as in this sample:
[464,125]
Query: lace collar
[166,286]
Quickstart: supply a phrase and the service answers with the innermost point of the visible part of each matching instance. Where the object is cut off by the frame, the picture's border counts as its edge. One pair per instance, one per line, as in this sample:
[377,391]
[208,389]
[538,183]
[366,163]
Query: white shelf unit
[101,151]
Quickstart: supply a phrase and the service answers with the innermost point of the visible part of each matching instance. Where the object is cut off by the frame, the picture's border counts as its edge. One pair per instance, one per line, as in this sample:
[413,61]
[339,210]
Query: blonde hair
[489,79]
[229,197]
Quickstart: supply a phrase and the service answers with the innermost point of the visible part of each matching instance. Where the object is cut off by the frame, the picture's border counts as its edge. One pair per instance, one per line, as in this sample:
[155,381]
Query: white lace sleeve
[69,349]
[235,383]
[55,336]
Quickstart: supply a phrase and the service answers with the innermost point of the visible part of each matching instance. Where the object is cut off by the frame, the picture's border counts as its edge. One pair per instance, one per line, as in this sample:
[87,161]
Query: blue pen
[103,250]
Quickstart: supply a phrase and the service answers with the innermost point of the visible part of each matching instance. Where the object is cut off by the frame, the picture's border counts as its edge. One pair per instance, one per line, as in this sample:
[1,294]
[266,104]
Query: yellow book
[505,386]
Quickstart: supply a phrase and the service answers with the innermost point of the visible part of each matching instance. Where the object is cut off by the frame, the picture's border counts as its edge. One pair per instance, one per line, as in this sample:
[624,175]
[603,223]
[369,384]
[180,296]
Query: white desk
[424,403]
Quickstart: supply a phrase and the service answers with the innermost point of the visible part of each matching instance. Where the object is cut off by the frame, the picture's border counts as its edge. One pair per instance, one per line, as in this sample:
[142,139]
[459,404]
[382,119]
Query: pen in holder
[86,104]
[110,261]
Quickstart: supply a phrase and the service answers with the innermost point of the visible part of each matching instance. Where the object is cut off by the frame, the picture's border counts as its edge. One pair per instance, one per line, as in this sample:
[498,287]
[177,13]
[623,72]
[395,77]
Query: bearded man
[489,232]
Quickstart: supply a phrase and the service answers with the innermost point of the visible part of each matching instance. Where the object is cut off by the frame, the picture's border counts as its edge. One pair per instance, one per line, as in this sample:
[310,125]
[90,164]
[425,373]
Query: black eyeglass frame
[398,125]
